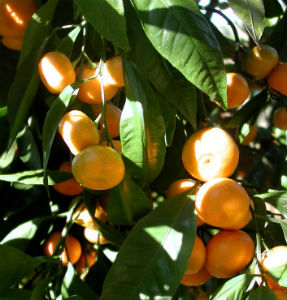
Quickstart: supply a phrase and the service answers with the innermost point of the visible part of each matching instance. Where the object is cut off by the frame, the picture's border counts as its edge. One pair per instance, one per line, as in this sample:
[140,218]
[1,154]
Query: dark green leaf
[14,265]
[127,203]
[40,289]
[7,157]
[15,294]
[176,26]
[25,84]
[107,18]
[272,8]
[252,13]
[154,256]
[233,288]
[261,293]
[142,128]
[3,111]
[67,43]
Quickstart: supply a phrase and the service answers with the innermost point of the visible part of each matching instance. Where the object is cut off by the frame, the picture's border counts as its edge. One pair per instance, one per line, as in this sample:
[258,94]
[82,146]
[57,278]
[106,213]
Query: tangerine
[94,237]
[277,79]
[196,279]
[113,71]
[279,118]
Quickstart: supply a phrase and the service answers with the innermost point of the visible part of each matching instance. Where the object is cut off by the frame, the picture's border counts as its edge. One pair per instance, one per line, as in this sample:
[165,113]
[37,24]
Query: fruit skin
[260,61]
[237,89]
[112,115]
[275,257]
[73,246]
[56,71]
[113,71]
[87,260]
[222,202]
[98,168]
[90,91]
[210,153]
[94,237]
[14,17]
[197,257]
[228,252]
[180,186]
[78,131]
[250,136]
[196,279]
[68,187]
[12,43]
[116,144]
[279,118]
[280,294]
[277,79]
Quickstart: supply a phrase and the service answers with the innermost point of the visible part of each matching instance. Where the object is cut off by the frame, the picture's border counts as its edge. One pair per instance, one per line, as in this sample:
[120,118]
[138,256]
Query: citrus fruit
[12,43]
[113,71]
[68,187]
[251,135]
[196,279]
[222,202]
[280,294]
[86,260]
[279,118]
[228,252]
[73,246]
[260,61]
[237,89]
[277,79]
[56,71]
[98,168]
[210,153]
[117,145]
[94,237]
[78,131]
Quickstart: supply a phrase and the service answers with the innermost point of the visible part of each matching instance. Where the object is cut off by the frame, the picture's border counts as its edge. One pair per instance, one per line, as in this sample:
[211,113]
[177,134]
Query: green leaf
[252,13]
[277,198]
[177,26]
[142,128]
[157,70]
[261,293]
[14,265]
[154,256]
[3,111]
[234,288]
[15,294]
[72,284]
[67,43]
[107,18]
[272,8]
[40,289]
[7,157]
[127,203]
[279,274]
[24,87]
[36,177]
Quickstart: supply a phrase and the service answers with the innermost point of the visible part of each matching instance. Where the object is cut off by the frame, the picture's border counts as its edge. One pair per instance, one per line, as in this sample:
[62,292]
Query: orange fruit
[237,89]
[251,135]
[280,294]
[113,71]
[90,91]
[73,246]
[222,202]
[260,61]
[280,118]
[94,237]
[68,187]
[197,257]
[196,279]
[275,257]
[14,17]
[12,43]
[56,71]
[180,186]
[86,260]
[116,144]
[98,168]
[228,252]
[112,115]
[210,153]
[78,131]
[277,79]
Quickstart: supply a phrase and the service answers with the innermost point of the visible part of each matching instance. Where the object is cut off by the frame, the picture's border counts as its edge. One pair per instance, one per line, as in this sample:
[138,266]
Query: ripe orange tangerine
[196,279]
[87,260]
[78,131]
[12,43]
[279,118]
[180,186]
[237,89]
[275,257]
[260,61]
[94,237]
[98,168]
[116,144]
[73,246]
[56,71]
[68,187]
[14,17]
[210,153]
[90,91]
[251,135]
[112,115]
[280,294]
[197,257]
[113,71]
[222,202]
[277,79]
[228,252]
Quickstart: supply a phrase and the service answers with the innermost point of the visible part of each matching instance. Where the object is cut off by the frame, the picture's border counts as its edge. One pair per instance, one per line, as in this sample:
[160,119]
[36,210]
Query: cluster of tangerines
[14,17]
[211,155]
